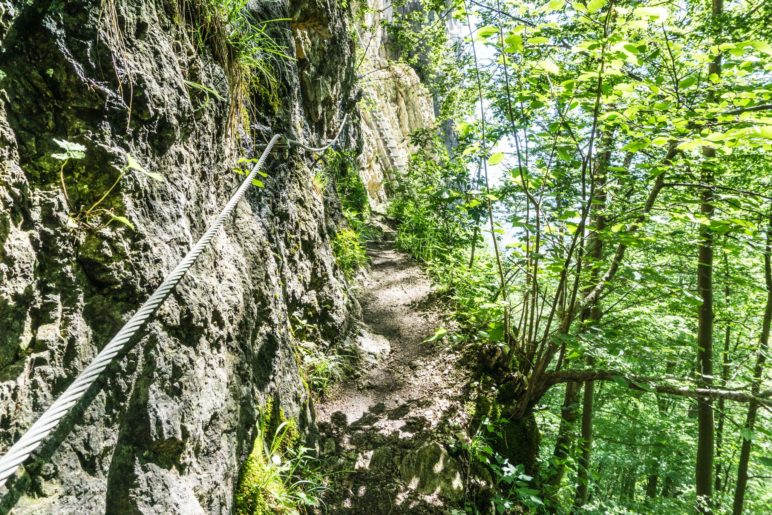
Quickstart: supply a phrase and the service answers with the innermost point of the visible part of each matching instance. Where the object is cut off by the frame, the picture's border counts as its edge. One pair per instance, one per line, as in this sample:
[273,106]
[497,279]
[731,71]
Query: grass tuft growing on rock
[244,47]
[349,251]
[279,475]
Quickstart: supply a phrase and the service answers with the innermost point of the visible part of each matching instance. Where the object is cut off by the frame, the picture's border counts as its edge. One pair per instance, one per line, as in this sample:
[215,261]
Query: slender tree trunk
[627,494]
[718,484]
[721,408]
[705,437]
[569,413]
[591,314]
[585,447]
[758,373]
[651,484]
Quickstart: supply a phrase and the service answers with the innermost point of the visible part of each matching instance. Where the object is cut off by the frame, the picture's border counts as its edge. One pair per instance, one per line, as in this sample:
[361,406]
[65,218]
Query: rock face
[173,419]
[395,105]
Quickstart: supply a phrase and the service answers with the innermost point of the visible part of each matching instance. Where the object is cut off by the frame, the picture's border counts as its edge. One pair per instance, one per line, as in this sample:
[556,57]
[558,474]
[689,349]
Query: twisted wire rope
[51,418]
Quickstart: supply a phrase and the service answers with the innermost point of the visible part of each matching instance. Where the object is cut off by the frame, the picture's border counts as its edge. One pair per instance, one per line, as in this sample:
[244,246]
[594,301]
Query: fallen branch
[651,384]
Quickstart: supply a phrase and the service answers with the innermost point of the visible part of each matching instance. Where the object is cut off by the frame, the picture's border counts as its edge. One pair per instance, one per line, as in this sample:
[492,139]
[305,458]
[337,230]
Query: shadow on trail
[382,434]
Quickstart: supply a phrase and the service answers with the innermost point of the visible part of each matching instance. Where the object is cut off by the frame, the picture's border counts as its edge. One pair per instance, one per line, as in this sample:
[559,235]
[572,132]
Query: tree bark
[718,484]
[585,447]
[705,435]
[569,414]
[591,314]
[758,373]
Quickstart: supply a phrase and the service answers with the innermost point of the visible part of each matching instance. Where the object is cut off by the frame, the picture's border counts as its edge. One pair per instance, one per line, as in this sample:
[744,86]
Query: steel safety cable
[51,418]
[323,147]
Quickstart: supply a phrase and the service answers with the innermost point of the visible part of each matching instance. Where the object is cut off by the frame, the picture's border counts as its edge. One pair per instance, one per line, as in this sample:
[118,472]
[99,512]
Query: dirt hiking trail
[385,429]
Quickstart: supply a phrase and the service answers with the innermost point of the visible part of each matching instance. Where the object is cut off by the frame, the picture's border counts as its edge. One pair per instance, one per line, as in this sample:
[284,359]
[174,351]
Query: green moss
[269,479]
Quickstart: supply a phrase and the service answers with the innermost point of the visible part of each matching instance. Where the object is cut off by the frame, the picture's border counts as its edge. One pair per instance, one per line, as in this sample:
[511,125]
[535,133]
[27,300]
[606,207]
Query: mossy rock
[430,469]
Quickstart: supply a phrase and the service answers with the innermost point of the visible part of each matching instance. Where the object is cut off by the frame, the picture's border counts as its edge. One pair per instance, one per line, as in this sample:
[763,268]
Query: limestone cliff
[173,420]
[395,104]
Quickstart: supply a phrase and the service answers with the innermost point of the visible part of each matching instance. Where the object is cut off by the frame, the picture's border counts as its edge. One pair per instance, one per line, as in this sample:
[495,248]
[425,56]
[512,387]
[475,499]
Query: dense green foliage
[614,146]
[349,242]
[349,251]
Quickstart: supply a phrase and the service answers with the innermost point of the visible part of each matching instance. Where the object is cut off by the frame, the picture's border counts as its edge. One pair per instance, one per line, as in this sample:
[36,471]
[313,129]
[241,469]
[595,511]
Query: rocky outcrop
[174,419]
[430,469]
[395,105]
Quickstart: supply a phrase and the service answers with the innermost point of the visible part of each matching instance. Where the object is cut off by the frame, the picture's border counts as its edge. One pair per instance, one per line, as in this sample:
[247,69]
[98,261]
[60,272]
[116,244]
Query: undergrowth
[349,251]
[323,369]
[279,475]
[494,484]
[349,242]
[320,366]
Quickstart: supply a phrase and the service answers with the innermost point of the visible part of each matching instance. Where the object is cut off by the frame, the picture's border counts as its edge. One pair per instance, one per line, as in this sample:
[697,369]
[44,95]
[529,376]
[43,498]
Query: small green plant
[320,182]
[247,164]
[341,169]
[243,46]
[322,370]
[512,487]
[349,251]
[85,215]
[279,476]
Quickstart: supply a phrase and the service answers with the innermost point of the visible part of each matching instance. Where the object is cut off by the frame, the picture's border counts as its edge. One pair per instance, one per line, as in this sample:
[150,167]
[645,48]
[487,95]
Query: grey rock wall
[174,419]
[395,105]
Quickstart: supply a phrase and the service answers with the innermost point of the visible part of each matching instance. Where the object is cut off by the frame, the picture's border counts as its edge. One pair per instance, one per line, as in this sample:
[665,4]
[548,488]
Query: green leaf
[496,158]
[438,335]
[258,183]
[134,164]
[687,82]
[595,5]
[538,40]
[71,150]
[556,5]
[123,220]
[633,49]
[635,146]
[513,43]
[486,32]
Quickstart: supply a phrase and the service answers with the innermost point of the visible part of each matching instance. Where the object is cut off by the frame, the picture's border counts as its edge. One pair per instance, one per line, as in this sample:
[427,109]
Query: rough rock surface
[174,419]
[395,105]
